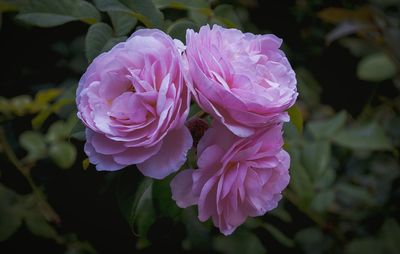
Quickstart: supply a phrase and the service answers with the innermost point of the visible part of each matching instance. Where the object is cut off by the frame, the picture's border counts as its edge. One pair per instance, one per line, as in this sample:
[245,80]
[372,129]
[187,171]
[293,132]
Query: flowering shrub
[180,126]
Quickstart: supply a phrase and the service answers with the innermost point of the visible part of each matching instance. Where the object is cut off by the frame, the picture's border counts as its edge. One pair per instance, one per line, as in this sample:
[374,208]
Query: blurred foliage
[344,191]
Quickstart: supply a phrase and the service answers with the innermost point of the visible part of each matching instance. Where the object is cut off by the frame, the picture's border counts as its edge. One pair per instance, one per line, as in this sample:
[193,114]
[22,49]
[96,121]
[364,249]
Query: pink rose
[243,80]
[134,103]
[236,177]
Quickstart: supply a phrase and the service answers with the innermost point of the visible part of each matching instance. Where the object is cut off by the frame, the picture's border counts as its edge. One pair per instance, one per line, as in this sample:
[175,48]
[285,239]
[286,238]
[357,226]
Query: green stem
[44,206]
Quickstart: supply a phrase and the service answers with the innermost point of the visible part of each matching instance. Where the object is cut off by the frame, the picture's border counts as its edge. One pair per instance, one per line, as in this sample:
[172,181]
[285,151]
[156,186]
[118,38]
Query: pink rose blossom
[236,177]
[134,103]
[243,80]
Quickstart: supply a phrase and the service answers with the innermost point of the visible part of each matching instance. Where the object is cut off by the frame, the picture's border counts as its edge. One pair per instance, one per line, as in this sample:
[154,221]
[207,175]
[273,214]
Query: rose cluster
[135,98]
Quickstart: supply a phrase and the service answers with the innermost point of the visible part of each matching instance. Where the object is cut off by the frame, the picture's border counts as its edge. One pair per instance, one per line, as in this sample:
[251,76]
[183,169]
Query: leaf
[329,127]
[309,89]
[33,143]
[364,245]
[10,217]
[96,38]
[142,213]
[226,15]
[278,235]
[241,242]
[44,97]
[390,234]
[11,5]
[122,22]
[178,29]
[346,28]
[48,13]
[198,234]
[369,136]
[353,194]
[145,11]
[57,131]
[38,120]
[38,226]
[63,154]
[85,163]
[336,15]
[316,157]
[300,181]
[323,200]
[296,117]
[376,67]
[313,241]
[181,4]
[163,202]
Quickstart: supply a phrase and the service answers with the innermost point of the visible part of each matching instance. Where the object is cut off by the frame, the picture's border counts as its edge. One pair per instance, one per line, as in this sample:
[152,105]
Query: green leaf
[353,194]
[300,181]
[11,5]
[34,143]
[390,234]
[181,4]
[376,67]
[38,226]
[296,117]
[329,127]
[48,13]
[57,131]
[10,217]
[369,136]
[309,89]
[364,246]
[142,212]
[226,15]
[63,154]
[145,11]
[96,38]
[123,23]
[316,157]
[198,234]
[241,242]
[162,197]
[43,97]
[323,200]
[177,30]
[313,241]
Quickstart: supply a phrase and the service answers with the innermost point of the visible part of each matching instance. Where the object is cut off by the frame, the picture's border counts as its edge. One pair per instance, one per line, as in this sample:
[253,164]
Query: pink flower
[243,80]
[236,177]
[134,103]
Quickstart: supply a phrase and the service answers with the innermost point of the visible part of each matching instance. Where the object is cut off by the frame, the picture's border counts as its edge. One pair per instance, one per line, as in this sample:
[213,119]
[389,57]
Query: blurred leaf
[376,67]
[198,234]
[365,246]
[226,15]
[38,226]
[11,5]
[34,143]
[309,90]
[358,47]
[10,218]
[96,38]
[85,163]
[63,154]
[241,242]
[123,22]
[38,120]
[48,13]
[353,194]
[162,198]
[313,241]
[278,235]
[181,4]
[300,181]
[296,117]
[322,200]
[57,131]
[281,213]
[145,11]
[390,234]
[346,28]
[177,29]
[199,17]
[369,136]
[43,97]
[142,212]
[316,157]
[329,127]
[112,42]
[336,15]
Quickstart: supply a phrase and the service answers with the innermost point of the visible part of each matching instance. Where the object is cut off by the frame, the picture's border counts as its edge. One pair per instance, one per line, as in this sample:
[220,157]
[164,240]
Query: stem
[44,206]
